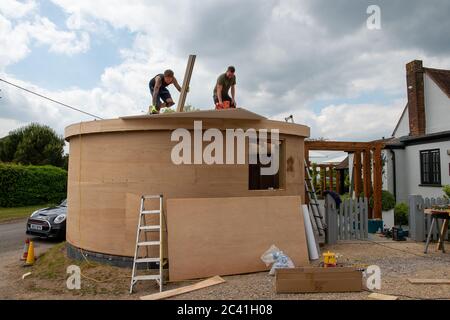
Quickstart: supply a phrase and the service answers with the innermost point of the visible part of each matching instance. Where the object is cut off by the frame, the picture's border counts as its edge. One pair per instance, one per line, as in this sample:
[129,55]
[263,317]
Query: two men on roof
[161,97]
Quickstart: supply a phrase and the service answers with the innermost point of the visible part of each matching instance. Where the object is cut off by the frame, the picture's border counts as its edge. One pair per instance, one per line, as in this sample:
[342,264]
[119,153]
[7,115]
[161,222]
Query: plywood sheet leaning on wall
[227,236]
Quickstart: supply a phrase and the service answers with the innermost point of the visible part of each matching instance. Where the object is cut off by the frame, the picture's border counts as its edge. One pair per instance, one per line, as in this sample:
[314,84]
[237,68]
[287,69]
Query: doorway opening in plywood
[257,181]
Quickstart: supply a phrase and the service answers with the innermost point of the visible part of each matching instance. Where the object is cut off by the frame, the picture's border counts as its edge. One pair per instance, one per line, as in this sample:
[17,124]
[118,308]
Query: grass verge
[49,276]
[10,214]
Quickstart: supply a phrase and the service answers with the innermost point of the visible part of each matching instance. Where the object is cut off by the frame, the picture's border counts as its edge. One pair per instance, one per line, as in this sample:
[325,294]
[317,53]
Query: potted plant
[446,190]
[387,205]
[401,213]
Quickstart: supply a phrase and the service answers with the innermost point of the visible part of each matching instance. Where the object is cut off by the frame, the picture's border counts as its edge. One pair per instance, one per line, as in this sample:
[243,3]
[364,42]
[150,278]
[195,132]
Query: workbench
[436,215]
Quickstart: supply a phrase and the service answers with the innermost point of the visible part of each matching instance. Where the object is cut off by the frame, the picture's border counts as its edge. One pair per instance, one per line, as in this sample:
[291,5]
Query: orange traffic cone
[30,255]
[25,250]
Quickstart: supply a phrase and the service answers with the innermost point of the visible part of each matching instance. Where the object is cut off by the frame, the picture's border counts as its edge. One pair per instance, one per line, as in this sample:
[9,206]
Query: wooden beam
[323,177]
[367,176]
[337,146]
[379,296]
[429,281]
[338,182]
[440,245]
[377,182]
[176,292]
[186,82]
[357,173]
[330,168]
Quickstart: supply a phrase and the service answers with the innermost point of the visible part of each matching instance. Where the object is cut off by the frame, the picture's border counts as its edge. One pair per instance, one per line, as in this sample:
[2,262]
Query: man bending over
[161,97]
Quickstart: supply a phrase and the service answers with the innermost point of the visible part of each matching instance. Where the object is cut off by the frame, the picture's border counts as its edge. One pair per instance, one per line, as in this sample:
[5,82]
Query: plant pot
[388,219]
[375,225]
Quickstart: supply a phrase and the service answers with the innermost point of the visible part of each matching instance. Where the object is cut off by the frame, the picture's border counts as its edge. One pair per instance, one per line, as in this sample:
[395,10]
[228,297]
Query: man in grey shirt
[225,83]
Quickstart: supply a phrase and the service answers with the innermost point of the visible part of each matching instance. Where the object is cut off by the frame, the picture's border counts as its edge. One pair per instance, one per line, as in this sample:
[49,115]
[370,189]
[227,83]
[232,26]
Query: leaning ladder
[313,201]
[145,229]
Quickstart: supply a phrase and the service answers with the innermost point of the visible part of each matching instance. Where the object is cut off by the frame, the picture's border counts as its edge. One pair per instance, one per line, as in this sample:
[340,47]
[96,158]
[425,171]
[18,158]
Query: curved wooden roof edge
[223,119]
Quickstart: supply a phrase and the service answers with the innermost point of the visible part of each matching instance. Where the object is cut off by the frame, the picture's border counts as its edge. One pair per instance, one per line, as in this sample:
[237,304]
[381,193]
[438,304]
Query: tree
[190,108]
[33,145]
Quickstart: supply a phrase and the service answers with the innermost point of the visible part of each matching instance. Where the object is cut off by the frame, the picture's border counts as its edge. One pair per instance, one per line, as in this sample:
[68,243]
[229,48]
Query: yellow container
[329,259]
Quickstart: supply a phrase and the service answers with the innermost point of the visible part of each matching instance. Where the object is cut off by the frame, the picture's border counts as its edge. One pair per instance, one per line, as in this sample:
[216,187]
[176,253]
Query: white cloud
[8,125]
[21,27]
[13,43]
[288,56]
[351,122]
[16,9]
[45,32]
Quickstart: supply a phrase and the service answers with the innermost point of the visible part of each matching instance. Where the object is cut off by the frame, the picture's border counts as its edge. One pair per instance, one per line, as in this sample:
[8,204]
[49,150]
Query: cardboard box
[315,280]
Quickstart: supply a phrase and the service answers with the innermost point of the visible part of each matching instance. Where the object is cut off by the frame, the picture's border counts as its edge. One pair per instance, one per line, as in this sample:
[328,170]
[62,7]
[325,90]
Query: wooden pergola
[367,163]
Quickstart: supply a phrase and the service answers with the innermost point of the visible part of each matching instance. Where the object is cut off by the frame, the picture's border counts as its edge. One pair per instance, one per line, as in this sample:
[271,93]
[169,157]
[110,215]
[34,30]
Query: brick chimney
[416,97]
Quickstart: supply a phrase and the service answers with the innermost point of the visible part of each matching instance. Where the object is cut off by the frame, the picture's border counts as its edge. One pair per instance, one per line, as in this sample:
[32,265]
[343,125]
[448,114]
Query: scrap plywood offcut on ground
[379,296]
[227,236]
[429,281]
[176,292]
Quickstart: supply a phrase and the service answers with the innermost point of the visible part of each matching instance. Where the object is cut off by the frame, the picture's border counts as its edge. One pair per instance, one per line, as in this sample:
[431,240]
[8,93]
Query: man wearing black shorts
[225,83]
[161,97]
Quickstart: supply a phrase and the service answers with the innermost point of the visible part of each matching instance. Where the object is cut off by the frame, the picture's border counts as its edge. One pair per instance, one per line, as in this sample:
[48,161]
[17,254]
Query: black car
[48,222]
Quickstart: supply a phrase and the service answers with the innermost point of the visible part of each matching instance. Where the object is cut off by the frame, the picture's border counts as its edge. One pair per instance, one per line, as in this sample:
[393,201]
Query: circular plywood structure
[114,162]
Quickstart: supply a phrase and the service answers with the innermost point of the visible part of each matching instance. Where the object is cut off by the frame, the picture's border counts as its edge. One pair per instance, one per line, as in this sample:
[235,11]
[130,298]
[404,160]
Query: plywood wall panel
[226,236]
[106,166]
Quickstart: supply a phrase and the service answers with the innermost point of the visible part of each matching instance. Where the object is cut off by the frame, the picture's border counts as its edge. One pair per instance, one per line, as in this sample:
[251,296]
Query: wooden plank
[367,179]
[331,177]
[357,173]
[444,230]
[238,113]
[338,182]
[339,221]
[429,281]
[227,236]
[305,280]
[367,175]
[179,291]
[337,146]
[379,296]
[377,183]
[221,119]
[186,82]
[323,177]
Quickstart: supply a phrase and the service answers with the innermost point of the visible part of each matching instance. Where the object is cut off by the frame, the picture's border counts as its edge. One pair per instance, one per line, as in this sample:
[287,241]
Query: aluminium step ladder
[312,195]
[313,201]
[145,229]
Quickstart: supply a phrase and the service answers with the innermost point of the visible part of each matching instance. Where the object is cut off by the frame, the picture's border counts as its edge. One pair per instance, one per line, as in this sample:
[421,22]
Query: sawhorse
[435,217]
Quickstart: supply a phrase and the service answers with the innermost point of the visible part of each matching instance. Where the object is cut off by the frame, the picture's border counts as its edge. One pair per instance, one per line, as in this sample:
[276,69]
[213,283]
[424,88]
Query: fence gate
[419,222]
[348,222]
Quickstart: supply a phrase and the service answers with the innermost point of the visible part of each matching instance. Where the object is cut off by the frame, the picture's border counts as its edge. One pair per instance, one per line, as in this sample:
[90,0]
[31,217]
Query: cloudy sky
[315,59]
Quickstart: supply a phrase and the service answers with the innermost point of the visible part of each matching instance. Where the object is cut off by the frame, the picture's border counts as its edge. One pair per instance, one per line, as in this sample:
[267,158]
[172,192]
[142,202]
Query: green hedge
[31,185]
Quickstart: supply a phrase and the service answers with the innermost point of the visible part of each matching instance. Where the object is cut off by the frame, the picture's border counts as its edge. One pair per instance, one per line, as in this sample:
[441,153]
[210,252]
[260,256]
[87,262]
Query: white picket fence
[419,222]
